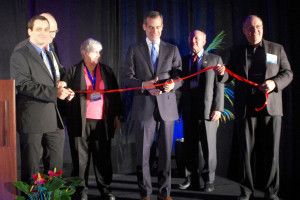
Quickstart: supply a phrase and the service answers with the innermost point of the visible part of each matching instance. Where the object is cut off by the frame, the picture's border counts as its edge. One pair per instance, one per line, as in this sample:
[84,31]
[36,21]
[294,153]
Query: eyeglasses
[250,28]
[52,32]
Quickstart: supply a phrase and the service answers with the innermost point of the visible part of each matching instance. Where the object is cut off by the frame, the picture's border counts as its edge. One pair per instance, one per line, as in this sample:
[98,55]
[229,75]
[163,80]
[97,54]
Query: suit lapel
[243,56]
[268,49]
[145,53]
[204,60]
[39,58]
[50,57]
[161,55]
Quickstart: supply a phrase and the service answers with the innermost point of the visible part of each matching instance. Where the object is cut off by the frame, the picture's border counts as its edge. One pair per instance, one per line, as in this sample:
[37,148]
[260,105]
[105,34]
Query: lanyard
[92,79]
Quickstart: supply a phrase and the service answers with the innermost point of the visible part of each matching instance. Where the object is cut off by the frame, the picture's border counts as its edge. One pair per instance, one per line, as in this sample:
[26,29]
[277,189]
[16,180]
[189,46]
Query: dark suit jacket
[210,91]
[76,118]
[280,72]
[36,99]
[138,68]
[54,50]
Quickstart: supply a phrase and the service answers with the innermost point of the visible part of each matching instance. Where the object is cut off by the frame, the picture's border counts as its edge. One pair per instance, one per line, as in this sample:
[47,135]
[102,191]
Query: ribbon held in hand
[250,83]
[183,78]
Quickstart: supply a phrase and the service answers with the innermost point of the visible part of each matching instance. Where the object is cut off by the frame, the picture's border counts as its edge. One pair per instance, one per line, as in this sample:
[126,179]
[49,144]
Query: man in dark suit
[202,102]
[38,118]
[153,109]
[265,63]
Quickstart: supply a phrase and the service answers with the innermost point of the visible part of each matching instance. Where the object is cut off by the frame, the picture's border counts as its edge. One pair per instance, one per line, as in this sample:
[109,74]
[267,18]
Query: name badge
[95,96]
[271,58]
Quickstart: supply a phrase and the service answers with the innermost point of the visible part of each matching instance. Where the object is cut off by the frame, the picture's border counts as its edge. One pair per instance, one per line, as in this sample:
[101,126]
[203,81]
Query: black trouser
[200,147]
[260,138]
[31,143]
[95,144]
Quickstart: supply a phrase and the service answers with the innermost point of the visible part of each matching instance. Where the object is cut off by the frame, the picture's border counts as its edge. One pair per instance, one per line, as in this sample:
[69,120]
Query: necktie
[194,67]
[55,64]
[45,59]
[154,56]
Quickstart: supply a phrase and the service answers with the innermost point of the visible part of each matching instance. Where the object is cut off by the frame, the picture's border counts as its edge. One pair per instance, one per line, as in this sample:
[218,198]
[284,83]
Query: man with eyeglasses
[266,64]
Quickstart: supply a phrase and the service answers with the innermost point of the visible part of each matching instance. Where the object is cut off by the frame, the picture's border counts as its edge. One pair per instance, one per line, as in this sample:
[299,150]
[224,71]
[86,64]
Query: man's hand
[215,115]
[117,124]
[146,84]
[62,93]
[169,85]
[71,95]
[155,91]
[220,70]
[267,86]
[61,84]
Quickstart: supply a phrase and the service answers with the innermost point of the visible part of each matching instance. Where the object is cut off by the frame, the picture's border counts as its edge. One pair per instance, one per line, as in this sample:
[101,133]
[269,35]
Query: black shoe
[187,184]
[107,196]
[209,187]
[78,196]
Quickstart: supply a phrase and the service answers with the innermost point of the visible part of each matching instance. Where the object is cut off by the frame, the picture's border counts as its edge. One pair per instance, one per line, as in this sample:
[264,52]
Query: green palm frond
[216,43]
[226,115]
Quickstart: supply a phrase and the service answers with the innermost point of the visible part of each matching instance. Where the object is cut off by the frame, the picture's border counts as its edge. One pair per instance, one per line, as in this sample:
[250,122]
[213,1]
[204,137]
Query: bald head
[53,26]
[197,40]
[253,29]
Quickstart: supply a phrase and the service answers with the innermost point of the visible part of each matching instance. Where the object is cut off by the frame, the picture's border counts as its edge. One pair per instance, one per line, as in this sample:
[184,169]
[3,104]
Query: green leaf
[20,198]
[57,195]
[65,196]
[73,181]
[55,183]
[216,43]
[24,187]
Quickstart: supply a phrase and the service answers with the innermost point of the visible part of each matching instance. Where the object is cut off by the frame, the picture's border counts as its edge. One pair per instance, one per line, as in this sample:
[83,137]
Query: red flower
[54,173]
[39,179]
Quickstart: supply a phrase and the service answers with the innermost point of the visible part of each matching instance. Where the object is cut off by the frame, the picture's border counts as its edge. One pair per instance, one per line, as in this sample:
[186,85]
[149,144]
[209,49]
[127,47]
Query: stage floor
[124,187]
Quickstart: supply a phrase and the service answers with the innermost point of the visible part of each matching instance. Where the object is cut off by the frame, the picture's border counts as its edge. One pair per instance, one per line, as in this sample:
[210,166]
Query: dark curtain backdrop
[118,24]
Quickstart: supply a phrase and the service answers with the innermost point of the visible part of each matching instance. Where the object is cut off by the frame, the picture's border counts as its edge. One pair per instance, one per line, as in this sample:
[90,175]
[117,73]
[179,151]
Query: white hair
[89,45]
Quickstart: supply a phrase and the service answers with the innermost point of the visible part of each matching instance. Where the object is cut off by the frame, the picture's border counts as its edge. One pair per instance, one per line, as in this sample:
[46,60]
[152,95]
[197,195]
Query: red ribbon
[180,79]
[250,83]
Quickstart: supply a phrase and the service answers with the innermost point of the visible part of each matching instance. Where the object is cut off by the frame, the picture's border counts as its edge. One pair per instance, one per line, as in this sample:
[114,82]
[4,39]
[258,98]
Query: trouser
[144,132]
[260,138]
[31,143]
[95,144]
[200,147]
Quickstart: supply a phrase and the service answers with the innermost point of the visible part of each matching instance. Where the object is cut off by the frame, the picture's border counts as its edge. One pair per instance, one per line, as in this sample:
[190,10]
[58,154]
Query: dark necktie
[44,56]
[194,67]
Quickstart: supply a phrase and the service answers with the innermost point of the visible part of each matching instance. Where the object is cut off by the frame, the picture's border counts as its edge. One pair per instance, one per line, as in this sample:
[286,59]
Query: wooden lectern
[8,148]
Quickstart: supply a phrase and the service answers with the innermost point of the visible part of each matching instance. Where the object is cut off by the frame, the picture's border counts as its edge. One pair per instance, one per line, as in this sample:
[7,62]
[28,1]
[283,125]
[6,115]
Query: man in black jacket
[266,64]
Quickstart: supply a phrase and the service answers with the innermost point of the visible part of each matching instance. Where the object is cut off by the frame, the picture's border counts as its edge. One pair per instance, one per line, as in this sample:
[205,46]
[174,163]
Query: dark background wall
[118,23]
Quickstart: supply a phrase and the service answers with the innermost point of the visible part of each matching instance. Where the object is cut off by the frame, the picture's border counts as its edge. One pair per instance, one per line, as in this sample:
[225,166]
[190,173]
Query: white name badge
[271,58]
[95,96]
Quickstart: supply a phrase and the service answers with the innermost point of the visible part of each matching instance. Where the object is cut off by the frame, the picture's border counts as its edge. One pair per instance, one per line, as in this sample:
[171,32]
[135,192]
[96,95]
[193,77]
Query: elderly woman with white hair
[92,118]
